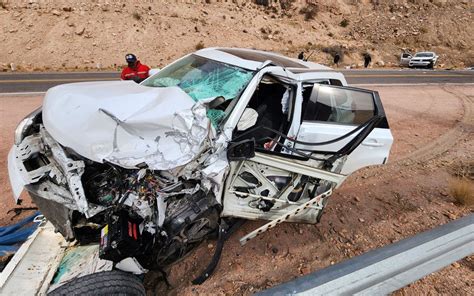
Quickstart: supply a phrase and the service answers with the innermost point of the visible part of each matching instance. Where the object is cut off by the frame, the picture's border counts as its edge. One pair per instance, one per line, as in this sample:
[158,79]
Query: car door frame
[284,163]
[405,61]
[238,110]
[358,139]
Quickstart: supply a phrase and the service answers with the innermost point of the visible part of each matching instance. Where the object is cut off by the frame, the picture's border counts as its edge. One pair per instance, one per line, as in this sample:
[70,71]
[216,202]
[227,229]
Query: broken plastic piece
[312,202]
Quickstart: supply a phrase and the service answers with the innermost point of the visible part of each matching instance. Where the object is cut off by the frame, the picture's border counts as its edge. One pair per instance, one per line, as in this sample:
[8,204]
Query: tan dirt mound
[60,35]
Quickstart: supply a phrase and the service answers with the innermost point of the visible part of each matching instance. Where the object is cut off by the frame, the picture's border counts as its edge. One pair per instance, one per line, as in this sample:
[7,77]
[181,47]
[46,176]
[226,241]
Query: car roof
[252,58]
[420,52]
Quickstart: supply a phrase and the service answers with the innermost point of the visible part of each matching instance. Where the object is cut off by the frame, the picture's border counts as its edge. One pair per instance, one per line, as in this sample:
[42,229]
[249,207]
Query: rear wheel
[102,283]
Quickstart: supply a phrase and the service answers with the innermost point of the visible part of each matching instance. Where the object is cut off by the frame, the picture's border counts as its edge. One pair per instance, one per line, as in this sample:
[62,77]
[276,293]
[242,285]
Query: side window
[326,82]
[339,105]
[272,105]
[335,82]
[330,81]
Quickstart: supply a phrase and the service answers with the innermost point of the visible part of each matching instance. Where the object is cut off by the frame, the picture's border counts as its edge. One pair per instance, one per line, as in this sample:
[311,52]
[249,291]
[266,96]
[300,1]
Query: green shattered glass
[215,116]
[202,78]
[221,82]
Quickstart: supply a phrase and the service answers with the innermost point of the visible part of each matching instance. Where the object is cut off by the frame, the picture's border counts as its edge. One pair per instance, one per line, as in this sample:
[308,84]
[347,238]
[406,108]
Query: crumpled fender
[126,124]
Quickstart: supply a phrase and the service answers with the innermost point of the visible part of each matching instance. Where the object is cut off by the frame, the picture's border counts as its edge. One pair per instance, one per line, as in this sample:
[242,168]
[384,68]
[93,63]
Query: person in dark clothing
[135,70]
[367,59]
[337,58]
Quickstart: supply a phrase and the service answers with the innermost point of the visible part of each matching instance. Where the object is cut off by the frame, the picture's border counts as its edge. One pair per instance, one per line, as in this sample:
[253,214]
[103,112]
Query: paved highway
[39,82]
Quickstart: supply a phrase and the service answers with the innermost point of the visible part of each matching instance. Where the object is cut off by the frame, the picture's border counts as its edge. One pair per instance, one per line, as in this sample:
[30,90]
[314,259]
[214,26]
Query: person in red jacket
[135,70]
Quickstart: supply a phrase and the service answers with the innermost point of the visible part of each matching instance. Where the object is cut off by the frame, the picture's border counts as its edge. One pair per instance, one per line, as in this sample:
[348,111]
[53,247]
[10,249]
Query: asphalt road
[39,82]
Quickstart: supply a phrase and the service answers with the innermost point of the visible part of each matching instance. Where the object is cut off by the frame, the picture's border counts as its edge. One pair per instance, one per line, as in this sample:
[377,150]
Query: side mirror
[153,71]
[248,119]
[241,150]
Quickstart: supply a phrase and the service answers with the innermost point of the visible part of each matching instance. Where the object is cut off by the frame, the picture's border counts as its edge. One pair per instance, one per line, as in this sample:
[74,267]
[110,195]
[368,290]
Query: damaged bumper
[40,158]
[16,179]
[88,200]
[422,63]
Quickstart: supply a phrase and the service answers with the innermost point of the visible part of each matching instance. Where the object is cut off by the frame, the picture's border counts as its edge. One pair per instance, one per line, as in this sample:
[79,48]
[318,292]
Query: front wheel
[102,283]
[431,65]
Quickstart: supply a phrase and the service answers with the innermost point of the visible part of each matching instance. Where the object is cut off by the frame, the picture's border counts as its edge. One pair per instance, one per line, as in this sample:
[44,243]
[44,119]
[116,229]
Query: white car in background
[150,170]
[426,59]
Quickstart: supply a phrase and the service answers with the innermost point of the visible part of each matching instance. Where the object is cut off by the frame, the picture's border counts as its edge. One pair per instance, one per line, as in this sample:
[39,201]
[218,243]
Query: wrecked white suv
[150,170]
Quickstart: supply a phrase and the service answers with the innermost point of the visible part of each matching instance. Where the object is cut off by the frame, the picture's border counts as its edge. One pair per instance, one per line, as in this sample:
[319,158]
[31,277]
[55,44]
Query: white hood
[126,124]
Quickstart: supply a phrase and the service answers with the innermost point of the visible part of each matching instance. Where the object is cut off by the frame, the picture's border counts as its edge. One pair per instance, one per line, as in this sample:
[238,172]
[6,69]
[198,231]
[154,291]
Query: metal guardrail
[389,268]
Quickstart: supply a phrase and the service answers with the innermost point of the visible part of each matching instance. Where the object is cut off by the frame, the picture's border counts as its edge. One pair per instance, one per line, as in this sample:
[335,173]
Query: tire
[102,283]
[431,65]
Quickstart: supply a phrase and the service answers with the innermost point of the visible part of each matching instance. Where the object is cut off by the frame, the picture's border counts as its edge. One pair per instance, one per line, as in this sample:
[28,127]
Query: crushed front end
[149,215]
[143,217]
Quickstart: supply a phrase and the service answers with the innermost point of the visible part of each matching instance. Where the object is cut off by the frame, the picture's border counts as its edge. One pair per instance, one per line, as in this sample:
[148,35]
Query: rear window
[339,105]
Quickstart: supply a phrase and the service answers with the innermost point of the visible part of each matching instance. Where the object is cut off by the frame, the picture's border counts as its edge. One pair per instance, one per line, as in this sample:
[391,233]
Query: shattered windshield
[202,78]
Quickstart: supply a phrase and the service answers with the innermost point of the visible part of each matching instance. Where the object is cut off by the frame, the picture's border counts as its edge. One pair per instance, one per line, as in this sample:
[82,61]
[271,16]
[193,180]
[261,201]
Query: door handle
[372,144]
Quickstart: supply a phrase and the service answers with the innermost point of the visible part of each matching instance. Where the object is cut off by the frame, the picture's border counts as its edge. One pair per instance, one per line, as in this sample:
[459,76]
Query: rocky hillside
[55,35]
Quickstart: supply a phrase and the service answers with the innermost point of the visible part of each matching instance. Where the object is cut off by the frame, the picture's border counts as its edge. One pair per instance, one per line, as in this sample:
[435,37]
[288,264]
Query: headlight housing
[25,124]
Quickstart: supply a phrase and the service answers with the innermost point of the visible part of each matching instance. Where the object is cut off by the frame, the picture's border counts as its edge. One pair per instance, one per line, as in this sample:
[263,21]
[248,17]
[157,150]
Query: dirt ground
[433,128]
[12,111]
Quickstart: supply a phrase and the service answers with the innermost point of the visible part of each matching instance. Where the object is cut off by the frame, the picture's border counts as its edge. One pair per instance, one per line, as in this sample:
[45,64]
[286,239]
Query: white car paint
[405,59]
[374,149]
[420,61]
[16,180]
[125,123]
[128,124]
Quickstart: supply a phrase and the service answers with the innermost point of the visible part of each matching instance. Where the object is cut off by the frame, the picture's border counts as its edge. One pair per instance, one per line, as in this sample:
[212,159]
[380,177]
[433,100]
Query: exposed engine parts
[149,215]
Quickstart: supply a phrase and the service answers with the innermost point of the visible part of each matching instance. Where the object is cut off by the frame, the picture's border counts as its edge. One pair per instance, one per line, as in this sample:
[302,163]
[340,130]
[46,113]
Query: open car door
[333,112]
[405,59]
[342,130]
